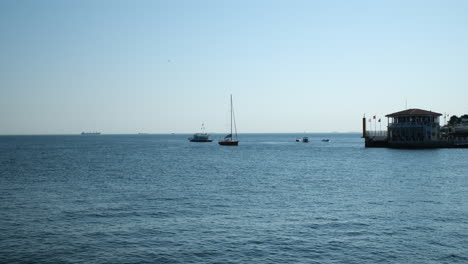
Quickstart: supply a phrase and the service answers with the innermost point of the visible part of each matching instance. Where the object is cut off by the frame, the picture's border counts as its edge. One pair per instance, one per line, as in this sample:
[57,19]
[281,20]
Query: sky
[123,67]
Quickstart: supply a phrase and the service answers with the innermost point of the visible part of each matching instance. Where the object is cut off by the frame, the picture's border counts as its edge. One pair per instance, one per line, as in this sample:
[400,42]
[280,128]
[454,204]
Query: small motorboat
[298,140]
[325,140]
[305,139]
[200,137]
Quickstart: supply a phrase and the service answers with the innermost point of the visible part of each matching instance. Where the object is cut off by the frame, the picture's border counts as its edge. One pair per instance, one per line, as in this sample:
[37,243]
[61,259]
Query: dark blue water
[162,199]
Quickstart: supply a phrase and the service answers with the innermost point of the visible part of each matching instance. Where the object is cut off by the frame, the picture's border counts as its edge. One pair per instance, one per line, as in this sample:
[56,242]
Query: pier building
[412,128]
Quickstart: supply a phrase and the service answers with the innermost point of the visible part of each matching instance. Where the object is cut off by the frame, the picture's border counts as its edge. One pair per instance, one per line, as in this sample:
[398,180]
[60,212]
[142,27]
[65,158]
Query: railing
[457,138]
[374,133]
[431,124]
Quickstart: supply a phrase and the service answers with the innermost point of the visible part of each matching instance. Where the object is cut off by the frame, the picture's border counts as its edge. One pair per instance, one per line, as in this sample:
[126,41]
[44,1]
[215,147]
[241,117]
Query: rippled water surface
[162,199]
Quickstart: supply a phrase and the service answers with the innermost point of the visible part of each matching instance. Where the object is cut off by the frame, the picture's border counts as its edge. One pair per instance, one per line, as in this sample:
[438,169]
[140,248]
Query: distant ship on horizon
[90,133]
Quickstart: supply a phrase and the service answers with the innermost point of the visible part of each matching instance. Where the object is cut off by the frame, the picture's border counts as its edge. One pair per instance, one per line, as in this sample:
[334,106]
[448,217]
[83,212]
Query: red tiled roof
[414,112]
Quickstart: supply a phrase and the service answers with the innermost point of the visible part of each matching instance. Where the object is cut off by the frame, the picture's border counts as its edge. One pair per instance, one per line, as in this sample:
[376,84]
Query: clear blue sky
[167,66]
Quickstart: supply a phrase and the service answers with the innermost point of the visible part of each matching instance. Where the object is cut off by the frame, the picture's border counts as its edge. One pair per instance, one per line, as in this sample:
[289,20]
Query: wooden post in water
[364,135]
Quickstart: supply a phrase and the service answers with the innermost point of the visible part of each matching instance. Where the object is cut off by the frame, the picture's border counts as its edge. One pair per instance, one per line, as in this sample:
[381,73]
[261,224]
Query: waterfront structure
[412,128]
[459,129]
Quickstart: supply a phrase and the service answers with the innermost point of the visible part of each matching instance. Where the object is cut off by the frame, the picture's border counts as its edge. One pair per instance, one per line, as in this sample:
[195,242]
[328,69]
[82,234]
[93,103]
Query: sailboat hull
[228,143]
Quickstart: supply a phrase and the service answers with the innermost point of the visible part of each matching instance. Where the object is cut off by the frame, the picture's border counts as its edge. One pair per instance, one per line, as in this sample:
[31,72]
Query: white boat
[201,137]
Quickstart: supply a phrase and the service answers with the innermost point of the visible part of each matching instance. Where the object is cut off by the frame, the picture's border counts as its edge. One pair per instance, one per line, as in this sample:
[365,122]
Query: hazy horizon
[161,67]
[209,132]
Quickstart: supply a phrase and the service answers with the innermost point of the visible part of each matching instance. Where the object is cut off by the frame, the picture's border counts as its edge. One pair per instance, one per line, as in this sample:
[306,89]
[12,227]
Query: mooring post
[364,134]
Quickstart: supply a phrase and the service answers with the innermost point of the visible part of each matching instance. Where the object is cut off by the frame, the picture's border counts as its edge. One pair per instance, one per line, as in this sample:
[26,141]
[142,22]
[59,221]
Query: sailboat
[229,140]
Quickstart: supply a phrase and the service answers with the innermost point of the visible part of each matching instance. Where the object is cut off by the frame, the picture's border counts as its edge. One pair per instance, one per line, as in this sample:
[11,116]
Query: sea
[162,199]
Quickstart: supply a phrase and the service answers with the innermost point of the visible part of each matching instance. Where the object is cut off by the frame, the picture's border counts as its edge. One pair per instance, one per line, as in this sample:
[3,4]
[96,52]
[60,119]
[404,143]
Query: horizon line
[175,133]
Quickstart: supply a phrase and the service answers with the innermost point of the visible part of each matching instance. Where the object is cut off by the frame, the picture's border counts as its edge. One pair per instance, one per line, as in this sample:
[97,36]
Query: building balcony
[413,124]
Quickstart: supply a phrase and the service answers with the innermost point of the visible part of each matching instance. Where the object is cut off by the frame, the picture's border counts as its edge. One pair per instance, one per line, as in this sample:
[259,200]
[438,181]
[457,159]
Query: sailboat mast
[231,116]
[234,120]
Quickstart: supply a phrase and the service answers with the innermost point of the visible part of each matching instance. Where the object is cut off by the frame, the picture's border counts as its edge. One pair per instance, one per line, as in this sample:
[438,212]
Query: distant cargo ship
[90,133]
